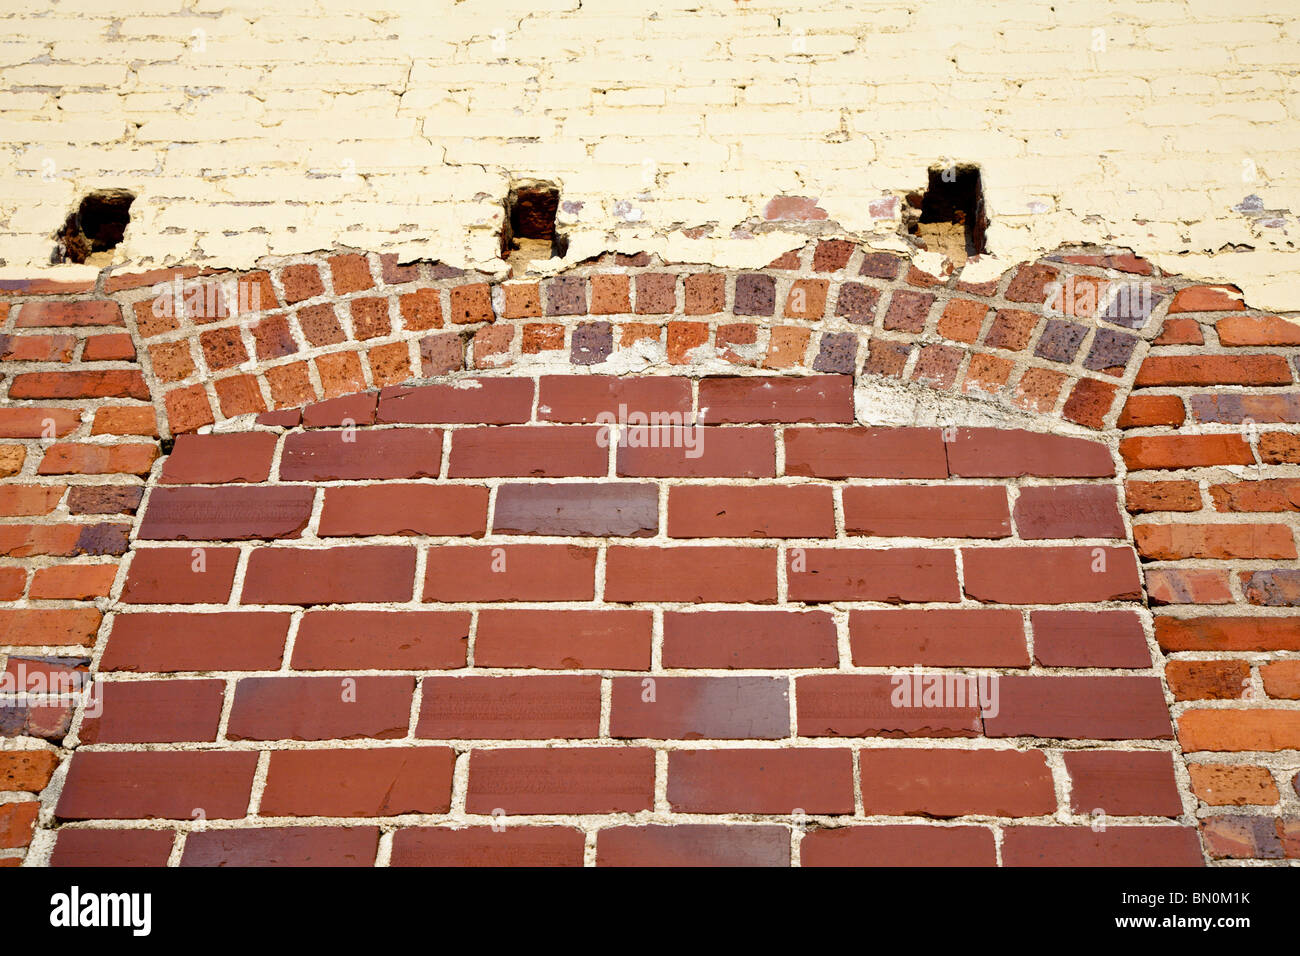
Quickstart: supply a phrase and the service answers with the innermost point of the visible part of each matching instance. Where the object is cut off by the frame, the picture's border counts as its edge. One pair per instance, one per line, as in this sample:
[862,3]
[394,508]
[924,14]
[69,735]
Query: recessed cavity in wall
[529,232]
[948,217]
[93,230]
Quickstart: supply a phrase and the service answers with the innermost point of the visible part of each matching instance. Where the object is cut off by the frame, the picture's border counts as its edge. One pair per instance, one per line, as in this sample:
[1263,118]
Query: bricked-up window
[93,230]
[529,232]
[949,216]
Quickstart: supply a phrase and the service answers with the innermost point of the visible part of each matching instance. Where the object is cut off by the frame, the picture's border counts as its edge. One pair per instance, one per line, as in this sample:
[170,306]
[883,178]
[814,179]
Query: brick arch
[1201,412]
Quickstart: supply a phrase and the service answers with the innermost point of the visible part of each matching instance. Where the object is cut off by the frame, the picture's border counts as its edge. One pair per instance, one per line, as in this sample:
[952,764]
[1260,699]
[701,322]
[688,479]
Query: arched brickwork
[1193,390]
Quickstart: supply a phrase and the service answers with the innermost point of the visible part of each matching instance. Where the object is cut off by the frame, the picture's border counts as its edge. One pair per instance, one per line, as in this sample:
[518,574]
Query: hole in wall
[93,230]
[529,232]
[949,216]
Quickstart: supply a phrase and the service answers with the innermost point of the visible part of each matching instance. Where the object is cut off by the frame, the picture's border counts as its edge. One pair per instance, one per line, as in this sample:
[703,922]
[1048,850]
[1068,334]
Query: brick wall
[686,129]
[338,520]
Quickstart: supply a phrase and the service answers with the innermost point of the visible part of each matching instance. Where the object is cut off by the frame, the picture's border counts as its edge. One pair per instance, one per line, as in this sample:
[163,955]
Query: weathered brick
[333,576]
[321,708]
[381,640]
[761,781]
[693,708]
[927,511]
[138,785]
[360,454]
[583,509]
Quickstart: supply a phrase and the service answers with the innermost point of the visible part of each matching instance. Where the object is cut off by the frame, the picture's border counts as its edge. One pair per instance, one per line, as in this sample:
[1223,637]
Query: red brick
[1037,390]
[1123,783]
[182,641]
[1114,846]
[321,708]
[818,398]
[806,299]
[706,293]
[416,509]
[156,711]
[938,637]
[346,411]
[491,401]
[952,783]
[1142,411]
[350,273]
[1207,298]
[180,576]
[656,293]
[139,785]
[584,398]
[27,770]
[1222,785]
[421,309]
[1170,542]
[961,320]
[1187,586]
[101,383]
[683,338]
[1230,730]
[283,846]
[1185,451]
[510,708]
[125,420]
[761,781]
[1180,332]
[13,581]
[59,314]
[694,574]
[1012,453]
[381,640]
[301,282]
[693,845]
[49,626]
[38,422]
[1281,679]
[697,452]
[929,511]
[222,348]
[486,846]
[521,572]
[1089,639]
[354,454]
[523,301]
[73,582]
[893,575]
[87,848]
[865,453]
[226,514]
[1268,494]
[1068,511]
[786,347]
[471,303]
[1257,330]
[870,705]
[522,451]
[1213,370]
[1090,402]
[69,458]
[188,409]
[693,708]
[759,639]
[1215,633]
[541,337]
[390,364]
[358,783]
[1146,496]
[216,459]
[898,845]
[290,384]
[1011,330]
[41,348]
[340,373]
[1096,708]
[561,780]
[613,639]
[1207,680]
[588,509]
[730,511]
[333,576]
[1051,575]
[17,821]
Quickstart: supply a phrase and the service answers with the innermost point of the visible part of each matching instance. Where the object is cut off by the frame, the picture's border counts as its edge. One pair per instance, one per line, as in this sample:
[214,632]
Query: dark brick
[566,295]
[105,499]
[838,353]
[857,303]
[1110,350]
[1060,341]
[226,514]
[907,310]
[880,265]
[755,294]
[592,343]
[320,325]
[600,510]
